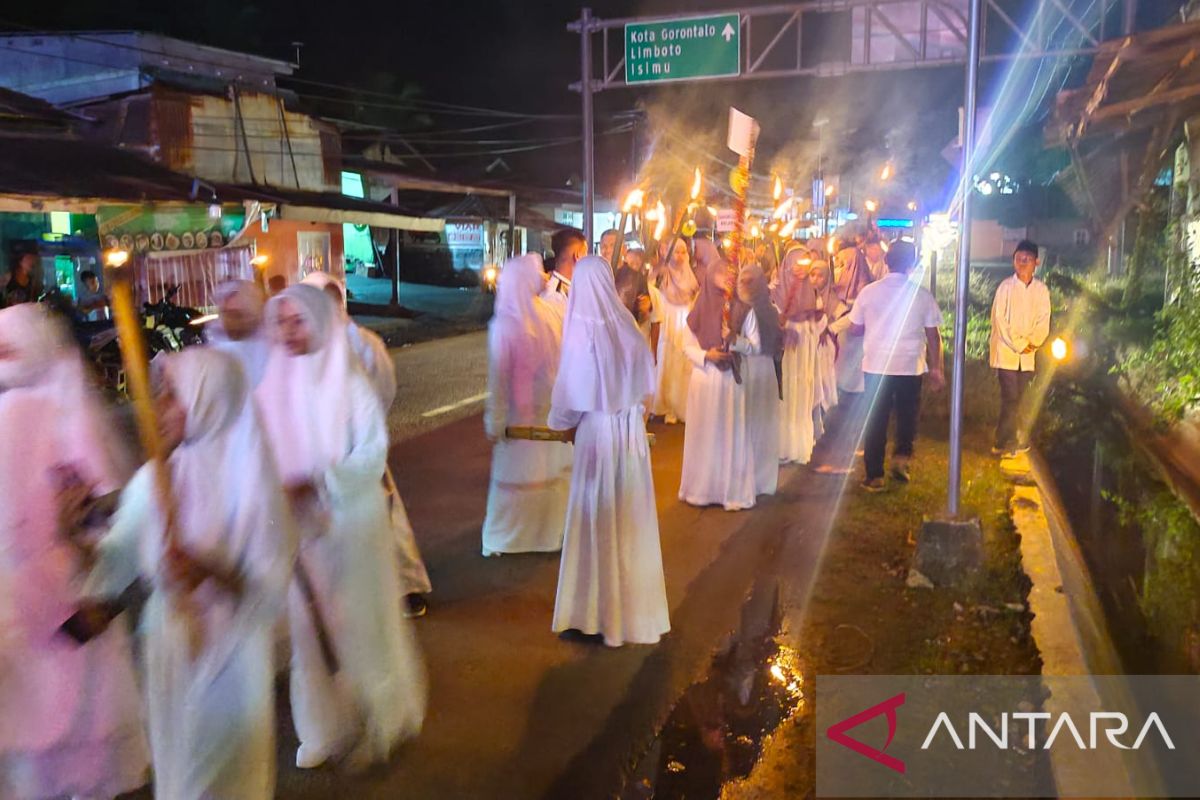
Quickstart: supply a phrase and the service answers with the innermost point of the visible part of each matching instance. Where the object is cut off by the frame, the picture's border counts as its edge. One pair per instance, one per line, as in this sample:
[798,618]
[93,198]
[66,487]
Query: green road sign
[683,49]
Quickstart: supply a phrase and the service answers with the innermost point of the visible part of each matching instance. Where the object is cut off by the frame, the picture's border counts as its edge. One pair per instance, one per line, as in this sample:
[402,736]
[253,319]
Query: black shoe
[900,473]
[874,485]
[415,605]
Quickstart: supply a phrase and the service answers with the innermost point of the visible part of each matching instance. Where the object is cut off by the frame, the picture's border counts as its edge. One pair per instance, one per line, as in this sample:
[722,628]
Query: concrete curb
[1068,626]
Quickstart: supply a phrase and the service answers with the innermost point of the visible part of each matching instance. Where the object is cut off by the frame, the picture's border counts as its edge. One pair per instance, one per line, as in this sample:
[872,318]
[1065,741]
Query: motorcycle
[175,325]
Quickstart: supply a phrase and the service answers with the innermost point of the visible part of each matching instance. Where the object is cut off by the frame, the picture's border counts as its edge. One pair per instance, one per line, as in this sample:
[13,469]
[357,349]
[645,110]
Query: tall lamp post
[951,547]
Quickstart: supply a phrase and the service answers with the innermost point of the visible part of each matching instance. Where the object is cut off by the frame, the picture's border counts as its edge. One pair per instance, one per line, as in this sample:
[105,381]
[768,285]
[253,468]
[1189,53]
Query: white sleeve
[692,348]
[858,314]
[749,342]
[1001,323]
[1041,320]
[933,314]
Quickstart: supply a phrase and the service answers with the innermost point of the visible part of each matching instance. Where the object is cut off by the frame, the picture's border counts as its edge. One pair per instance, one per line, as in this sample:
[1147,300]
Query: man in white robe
[376,362]
[326,428]
[219,585]
[70,717]
[530,481]
[610,580]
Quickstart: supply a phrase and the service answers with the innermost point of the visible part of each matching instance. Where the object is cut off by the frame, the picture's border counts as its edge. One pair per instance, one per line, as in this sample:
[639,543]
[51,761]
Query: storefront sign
[466,236]
[151,228]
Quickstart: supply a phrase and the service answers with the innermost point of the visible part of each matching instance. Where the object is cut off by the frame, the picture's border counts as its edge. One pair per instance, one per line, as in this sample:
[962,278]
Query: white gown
[610,579]
[718,459]
[762,420]
[325,425]
[674,370]
[352,567]
[530,481]
[797,427]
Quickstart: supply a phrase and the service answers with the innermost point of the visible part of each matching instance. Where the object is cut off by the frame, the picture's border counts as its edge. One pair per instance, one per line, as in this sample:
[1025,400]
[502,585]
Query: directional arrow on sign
[728,32]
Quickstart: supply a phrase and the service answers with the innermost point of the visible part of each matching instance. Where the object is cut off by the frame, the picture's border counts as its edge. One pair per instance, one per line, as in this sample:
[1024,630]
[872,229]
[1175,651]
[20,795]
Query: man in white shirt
[569,245]
[898,320]
[1020,325]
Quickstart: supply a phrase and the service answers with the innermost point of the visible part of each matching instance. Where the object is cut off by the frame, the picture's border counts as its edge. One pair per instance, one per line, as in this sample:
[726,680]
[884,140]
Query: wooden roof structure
[1124,119]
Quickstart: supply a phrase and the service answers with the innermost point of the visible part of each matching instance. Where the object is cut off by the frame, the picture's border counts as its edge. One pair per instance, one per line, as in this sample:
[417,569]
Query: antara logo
[1113,724]
[837,732]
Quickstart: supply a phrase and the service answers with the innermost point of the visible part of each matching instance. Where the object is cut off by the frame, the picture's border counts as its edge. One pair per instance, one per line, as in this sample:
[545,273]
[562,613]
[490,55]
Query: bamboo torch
[137,378]
[632,200]
[743,136]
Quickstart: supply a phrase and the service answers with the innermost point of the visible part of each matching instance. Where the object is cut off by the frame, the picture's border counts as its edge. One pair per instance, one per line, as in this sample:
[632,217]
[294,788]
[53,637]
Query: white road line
[434,412]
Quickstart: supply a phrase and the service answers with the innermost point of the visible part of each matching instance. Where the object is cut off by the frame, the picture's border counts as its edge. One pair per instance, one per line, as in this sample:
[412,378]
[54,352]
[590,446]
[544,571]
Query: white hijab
[45,360]
[519,306]
[605,364]
[305,400]
[252,351]
[367,346]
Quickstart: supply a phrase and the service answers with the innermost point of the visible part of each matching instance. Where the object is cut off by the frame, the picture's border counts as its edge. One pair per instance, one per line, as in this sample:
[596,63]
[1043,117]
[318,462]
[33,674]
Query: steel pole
[589,131]
[962,278]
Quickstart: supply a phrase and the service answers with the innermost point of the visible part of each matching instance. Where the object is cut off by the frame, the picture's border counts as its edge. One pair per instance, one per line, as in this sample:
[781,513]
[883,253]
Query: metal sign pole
[589,130]
[961,289]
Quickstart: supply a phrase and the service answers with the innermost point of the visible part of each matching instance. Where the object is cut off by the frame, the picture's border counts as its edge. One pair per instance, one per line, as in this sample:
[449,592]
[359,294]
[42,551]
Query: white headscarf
[605,364]
[305,399]
[252,351]
[519,303]
[366,345]
[45,359]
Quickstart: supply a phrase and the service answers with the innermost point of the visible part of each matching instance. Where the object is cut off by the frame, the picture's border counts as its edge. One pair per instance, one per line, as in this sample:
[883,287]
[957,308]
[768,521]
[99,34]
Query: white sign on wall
[464,236]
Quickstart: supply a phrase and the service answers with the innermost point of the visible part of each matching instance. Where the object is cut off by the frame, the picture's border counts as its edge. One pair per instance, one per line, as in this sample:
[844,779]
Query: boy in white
[1020,325]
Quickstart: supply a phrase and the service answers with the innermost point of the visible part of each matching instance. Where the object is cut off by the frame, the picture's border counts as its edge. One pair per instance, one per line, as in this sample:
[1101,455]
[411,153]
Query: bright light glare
[203,320]
[260,260]
[116,258]
[872,206]
[489,274]
[1058,349]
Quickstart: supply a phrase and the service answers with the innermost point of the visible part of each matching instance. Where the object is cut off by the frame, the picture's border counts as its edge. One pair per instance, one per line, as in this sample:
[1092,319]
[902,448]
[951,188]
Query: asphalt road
[438,382]
[515,712]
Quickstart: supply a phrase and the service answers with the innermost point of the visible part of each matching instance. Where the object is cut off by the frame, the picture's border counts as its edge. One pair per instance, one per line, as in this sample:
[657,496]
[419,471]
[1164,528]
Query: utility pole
[584,27]
[951,547]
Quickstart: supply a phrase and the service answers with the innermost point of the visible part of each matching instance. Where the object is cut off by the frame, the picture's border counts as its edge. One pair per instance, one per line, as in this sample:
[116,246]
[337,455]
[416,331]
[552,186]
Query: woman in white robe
[530,481]
[761,376]
[678,288]
[830,308]
[796,301]
[718,459]
[326,428]
[70,715]
[208,630]
[610,579]
[239,330]
[375,360]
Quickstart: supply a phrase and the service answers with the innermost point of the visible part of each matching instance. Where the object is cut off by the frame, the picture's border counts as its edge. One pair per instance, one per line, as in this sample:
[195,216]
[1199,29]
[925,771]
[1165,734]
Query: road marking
[434,412]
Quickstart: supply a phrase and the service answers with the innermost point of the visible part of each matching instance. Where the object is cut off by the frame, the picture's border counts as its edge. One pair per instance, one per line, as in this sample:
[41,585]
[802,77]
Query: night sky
[517,55]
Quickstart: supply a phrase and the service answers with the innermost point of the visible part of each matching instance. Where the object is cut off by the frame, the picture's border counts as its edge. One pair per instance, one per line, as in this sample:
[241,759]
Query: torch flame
[755,232]
[660,214]
[783,208]
[872,206]
[633,200]
[886,172]
[788,229]
[832,246]
[829,190]
[697,184]
[778,191]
